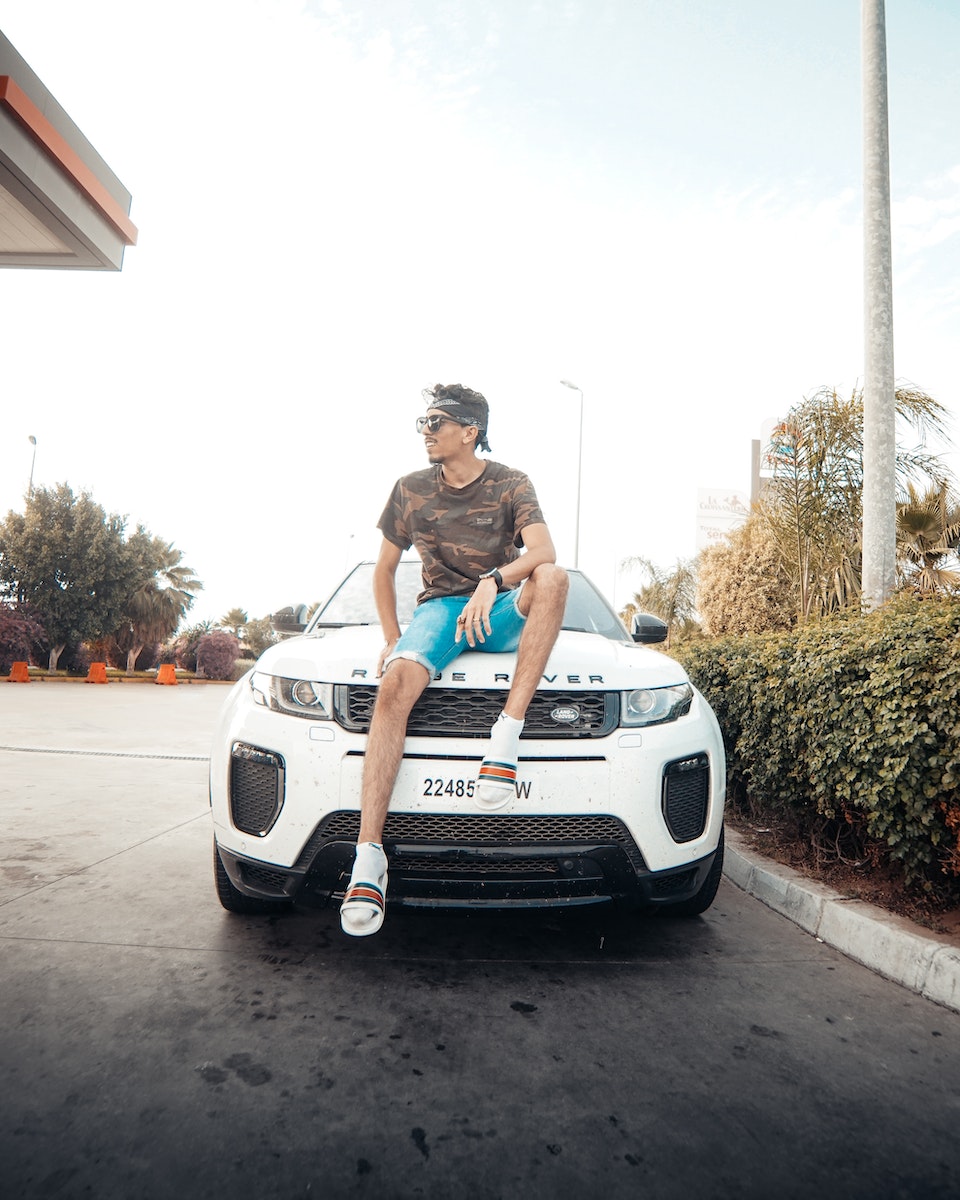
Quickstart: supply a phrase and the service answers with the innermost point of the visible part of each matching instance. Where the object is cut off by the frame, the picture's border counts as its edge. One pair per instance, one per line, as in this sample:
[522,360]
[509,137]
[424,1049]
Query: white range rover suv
[619,795]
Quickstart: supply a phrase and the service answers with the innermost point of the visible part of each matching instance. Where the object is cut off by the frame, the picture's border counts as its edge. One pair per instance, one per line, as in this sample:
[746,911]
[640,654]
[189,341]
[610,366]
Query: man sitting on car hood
[468,518]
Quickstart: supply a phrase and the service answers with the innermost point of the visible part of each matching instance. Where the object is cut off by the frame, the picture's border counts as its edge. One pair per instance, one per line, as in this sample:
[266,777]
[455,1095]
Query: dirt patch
[827,862]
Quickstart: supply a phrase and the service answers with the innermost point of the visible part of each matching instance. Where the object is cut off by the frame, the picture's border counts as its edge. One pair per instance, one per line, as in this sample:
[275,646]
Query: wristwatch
[495,576]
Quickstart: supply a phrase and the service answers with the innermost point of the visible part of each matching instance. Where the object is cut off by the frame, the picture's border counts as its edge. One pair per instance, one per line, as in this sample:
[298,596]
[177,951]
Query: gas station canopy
[60,204]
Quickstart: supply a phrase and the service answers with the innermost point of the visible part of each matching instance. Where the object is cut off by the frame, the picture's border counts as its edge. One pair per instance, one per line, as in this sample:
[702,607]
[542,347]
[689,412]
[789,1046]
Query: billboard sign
[719,512]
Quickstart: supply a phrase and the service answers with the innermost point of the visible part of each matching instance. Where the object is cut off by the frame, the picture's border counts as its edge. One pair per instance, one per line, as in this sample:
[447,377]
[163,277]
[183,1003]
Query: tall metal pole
[576,527]
[755,457]
[33,441]
[879,386]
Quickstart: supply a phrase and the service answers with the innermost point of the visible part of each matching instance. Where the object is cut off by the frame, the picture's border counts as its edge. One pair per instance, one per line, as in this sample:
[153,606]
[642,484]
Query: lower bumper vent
[256,788]
[686,797]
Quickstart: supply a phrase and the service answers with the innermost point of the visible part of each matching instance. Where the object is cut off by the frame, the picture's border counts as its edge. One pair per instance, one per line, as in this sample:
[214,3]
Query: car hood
[586,660]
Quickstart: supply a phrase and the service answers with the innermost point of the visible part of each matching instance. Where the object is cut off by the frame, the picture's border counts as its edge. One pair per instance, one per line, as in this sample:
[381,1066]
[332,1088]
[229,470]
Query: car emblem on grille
[566,714]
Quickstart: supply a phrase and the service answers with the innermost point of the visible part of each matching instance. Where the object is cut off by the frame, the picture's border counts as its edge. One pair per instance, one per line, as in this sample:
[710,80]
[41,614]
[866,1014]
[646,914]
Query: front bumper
[487,861]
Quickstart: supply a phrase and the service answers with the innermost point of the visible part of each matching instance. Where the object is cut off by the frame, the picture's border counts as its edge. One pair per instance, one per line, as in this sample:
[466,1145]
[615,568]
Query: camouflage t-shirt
[460,533]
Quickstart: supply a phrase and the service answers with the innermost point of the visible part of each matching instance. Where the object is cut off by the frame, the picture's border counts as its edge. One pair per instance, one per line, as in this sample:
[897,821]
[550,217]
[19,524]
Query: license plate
[441,787]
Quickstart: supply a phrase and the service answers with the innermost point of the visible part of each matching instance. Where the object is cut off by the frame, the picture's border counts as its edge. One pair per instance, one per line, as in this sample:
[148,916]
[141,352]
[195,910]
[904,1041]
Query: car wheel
[234,900]
[701,901]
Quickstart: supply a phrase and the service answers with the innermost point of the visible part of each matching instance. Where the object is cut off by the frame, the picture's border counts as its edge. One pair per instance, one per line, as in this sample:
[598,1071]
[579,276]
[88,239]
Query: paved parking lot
[156,1046]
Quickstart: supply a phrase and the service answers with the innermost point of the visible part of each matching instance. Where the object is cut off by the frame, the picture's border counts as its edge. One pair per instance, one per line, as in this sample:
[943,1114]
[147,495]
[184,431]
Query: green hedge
[855,718]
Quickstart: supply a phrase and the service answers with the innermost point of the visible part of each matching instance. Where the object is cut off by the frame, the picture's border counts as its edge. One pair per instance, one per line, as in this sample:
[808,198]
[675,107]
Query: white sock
[370,863]
[498,771]
[362,910]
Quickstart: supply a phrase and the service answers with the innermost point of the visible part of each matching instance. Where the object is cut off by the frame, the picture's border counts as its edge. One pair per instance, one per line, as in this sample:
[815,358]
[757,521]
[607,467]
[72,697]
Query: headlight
[296,697]
[655,706]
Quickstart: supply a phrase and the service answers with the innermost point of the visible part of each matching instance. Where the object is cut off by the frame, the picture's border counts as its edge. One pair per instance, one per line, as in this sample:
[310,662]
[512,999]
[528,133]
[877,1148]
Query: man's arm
[539,548]
[385,597]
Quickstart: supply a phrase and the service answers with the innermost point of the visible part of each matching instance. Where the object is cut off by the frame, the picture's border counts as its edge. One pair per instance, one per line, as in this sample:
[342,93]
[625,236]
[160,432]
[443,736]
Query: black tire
[701,901]
[234,900]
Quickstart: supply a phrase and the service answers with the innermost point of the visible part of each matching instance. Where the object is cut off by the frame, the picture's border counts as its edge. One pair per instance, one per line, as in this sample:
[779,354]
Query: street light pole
[576,527]
[33,442]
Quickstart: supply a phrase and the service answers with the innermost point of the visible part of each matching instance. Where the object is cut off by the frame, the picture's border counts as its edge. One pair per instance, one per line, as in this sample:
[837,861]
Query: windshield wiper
[339,624]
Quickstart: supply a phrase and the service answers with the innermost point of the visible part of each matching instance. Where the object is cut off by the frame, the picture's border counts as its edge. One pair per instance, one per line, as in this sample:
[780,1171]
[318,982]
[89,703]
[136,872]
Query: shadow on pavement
[596,935]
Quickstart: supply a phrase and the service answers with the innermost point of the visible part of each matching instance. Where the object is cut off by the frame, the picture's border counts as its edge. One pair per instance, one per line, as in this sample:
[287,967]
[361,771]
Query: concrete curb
[887,944]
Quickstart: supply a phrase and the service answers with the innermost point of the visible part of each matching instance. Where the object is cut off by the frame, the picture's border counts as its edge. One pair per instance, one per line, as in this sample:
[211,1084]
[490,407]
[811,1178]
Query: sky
[341,202]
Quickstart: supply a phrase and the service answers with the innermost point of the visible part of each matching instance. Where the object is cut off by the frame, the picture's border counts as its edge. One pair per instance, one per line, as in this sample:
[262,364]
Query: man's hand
[385,653]
[474,620]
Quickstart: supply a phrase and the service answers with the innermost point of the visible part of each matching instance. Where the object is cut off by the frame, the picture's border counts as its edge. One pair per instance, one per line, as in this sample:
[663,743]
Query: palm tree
[813,504]
[928,531]
[669,595]
[158,605]
[235,620]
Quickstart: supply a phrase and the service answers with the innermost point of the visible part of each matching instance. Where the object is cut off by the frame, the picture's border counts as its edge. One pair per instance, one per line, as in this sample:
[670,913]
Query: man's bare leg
[545,594]
[400,688]
[362,911]
[543,599]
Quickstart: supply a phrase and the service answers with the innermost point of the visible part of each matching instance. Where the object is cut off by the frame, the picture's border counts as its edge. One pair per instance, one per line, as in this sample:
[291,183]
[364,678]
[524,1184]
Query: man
[467,518]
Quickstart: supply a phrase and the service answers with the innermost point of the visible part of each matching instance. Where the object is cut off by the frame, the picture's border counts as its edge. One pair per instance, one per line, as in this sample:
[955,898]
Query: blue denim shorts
[430,638]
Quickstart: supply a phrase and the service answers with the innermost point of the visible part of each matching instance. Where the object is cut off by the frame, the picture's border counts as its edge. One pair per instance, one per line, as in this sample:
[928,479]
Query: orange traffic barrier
[166,673]
[19,673]
[97,673]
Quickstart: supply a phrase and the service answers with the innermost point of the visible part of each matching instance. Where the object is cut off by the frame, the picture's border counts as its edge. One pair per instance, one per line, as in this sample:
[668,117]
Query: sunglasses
[433,423]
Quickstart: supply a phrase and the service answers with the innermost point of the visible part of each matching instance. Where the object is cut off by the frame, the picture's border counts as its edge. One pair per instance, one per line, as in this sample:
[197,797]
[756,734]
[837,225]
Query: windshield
[352,603]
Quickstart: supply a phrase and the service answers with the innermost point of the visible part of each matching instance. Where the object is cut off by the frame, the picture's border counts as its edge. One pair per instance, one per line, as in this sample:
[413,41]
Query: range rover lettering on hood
[499,677]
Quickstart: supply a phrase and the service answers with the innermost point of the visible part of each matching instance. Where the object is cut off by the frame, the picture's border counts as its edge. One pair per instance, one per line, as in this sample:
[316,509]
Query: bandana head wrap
[462,405]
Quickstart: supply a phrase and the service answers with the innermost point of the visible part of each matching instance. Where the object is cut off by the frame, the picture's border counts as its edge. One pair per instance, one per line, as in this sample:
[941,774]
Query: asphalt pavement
[893,947]
[156,1046]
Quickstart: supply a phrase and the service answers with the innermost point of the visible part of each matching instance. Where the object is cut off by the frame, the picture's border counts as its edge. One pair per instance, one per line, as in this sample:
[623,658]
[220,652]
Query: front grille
[686,796]
[508,868]
[256,788]
[470,712]
[455,830]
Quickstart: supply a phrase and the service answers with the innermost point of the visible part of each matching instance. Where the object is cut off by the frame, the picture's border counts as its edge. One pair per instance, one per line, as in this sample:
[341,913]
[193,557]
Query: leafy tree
[742,586]
[670,595]
[812,506]
[217,654]
[928,536]
[185,647]
[258,635]
[19,632]
[66,558]
[75,659]
[235,621]
[164,593]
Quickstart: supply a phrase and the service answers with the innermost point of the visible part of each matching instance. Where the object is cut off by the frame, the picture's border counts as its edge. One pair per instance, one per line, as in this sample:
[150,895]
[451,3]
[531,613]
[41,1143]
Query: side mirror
[290,621]
[648,629]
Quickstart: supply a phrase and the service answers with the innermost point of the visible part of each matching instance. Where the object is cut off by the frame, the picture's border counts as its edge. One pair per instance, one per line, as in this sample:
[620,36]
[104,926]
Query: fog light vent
[686,796]
[256,788]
